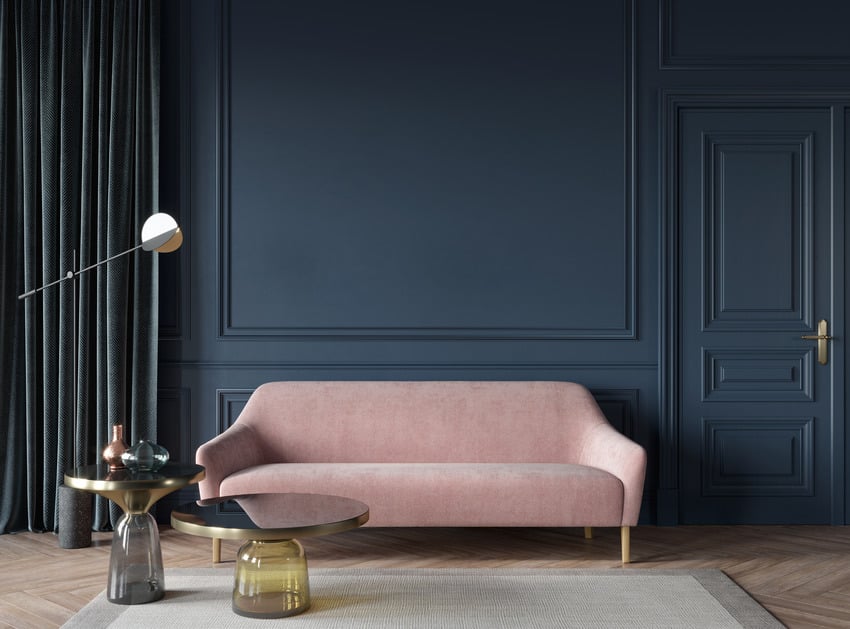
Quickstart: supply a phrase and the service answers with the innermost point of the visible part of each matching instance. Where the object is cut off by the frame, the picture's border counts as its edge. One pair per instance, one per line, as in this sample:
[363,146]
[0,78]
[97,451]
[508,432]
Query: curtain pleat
[79,142]
[12,472]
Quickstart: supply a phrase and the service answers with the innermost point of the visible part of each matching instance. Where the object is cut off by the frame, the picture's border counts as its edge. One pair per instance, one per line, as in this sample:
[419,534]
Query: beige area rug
[450,598]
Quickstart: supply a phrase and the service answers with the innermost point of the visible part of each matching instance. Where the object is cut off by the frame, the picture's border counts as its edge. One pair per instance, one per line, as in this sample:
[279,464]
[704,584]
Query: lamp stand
[161,233]
[74,507]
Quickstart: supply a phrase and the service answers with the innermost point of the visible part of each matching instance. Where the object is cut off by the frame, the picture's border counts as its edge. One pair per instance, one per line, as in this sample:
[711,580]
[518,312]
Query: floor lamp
[161,233]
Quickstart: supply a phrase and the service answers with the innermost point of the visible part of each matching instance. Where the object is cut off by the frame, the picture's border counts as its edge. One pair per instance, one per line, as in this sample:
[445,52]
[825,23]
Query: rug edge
[747,611]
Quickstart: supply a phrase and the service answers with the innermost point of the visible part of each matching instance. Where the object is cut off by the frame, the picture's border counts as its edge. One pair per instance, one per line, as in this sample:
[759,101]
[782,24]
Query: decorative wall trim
[742,374]
[227,330]
[394,366]
[620,406]
[729,469]
[229,403]
[173,421]
[796,314]
[181,303]
[669,59]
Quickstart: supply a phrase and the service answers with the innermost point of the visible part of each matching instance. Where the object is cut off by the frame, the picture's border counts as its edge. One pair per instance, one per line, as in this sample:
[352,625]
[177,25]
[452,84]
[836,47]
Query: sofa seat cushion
[451,494]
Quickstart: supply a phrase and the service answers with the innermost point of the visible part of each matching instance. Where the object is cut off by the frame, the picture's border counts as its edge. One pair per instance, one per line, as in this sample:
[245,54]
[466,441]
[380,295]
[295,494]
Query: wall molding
[725,470]
[228,331]
[226,401]
[177,425]
[669,59]
[797,315]
[179,330]
[395,366]
[785,375]
[619,405]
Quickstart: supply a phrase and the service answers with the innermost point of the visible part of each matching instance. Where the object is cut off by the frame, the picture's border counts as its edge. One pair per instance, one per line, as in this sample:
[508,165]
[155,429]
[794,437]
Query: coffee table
[135,561]
[271,579]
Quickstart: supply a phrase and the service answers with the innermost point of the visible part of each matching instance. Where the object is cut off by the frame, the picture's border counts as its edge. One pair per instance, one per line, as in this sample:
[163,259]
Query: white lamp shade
[161,233]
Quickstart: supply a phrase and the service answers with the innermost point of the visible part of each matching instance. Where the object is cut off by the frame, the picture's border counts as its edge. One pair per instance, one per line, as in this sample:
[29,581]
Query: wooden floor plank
[801,574]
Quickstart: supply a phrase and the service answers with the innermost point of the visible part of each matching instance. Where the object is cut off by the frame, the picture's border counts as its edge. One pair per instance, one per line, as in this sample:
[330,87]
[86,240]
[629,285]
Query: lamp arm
[109,259]
[72,274]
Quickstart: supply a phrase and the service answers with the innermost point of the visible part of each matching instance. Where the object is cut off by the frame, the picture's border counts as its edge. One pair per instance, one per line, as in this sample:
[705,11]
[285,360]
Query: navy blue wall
[442,190]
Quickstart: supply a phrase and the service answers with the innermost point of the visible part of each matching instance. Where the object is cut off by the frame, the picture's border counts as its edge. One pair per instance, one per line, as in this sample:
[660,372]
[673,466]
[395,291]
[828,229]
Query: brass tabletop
[269,516]
[134,492]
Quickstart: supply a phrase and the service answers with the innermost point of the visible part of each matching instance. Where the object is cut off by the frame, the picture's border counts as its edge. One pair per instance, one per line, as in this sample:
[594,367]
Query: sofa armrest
[606,449]
[235,449]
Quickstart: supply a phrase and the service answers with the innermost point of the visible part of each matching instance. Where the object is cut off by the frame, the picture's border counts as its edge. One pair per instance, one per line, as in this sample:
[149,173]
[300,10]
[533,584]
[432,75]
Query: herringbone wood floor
[800,573]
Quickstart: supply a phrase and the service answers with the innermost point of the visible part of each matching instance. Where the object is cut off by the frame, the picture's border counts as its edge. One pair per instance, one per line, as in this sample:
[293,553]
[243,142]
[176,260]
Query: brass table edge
[184,522]
[173,482]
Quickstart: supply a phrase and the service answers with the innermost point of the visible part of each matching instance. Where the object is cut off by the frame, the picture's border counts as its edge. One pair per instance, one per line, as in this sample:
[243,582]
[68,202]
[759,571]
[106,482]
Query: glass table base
[271,579]
[135,563]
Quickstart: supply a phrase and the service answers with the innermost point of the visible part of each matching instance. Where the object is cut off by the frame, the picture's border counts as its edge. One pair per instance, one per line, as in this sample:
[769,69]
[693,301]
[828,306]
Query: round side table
[271,579]
[135,562]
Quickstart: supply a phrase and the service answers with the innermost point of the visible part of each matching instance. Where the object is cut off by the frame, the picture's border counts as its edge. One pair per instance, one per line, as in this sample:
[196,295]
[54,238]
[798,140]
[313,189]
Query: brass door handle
[822,337]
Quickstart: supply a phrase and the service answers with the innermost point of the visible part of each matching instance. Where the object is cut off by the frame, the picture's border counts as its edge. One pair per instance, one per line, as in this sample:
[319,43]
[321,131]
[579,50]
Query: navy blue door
[759,438]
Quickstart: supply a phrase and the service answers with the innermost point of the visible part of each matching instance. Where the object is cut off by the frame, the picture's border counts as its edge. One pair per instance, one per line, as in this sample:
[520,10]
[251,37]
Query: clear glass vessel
[135,563]
[145,456]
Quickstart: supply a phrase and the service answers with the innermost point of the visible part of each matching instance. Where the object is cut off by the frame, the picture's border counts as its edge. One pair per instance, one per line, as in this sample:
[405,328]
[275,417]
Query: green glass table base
[271,579]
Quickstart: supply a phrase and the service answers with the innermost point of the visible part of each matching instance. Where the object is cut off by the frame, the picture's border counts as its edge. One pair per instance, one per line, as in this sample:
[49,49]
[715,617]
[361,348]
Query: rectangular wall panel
[174,412]
[229,404]
[386,172]
[758,189]
[735,34]
[757,375]
[620,407]
[758,457]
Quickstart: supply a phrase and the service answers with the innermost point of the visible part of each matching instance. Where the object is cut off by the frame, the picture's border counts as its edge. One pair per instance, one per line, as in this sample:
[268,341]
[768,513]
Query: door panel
[756,408]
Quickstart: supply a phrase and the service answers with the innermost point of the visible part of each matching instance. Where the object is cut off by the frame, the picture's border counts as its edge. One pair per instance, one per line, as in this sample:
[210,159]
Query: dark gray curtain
[79,146]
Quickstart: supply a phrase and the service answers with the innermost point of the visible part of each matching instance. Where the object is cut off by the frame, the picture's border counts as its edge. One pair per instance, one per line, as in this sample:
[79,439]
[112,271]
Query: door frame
[671,104]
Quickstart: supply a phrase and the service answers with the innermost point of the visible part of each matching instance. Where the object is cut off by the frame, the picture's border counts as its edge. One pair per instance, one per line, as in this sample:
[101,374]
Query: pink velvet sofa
[452,454]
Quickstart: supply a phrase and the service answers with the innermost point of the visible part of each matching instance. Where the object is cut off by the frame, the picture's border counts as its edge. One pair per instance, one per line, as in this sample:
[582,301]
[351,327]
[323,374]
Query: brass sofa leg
[216,550]
[588,532]
[625,542]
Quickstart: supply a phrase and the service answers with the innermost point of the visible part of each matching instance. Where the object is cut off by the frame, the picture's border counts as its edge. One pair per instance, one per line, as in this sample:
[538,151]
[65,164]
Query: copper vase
[115,448]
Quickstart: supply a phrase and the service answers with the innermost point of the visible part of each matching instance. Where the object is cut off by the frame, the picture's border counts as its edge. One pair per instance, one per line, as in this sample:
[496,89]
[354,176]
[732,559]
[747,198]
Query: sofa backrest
[425,422]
